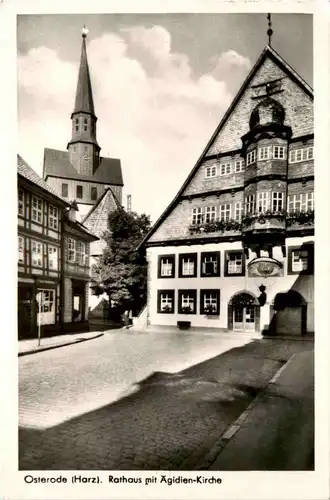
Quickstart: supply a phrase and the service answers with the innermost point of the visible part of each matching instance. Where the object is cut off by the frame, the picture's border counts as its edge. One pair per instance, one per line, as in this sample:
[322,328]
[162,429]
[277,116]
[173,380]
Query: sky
[161,84]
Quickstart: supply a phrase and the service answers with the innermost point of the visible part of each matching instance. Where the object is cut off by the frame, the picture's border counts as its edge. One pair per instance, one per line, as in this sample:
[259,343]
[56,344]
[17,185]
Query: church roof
[84,97]
[293,75]
[28,173]
[97,218]
[57,164]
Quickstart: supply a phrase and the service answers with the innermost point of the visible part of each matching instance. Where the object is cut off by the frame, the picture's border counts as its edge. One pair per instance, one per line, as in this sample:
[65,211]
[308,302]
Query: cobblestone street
[167,423]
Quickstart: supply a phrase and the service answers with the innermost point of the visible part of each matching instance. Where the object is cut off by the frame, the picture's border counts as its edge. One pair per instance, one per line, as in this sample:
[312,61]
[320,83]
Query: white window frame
[301,154]
[225,168]
[197,216]
[188,266]
[71,250]
[166,300]
[277,201]
[225,211]
[210,171]
[53,258]
[210,299]
[251,157]
[238,211]
[188,300]
[47,306]
[264,153]
[210,214]
[263,201]
[239,166]
[166,266]
[36,209]
[279,152]
[53,217]
[250,204]
[210,259]
[21,202]
[299,262]
[21,249]
[37,255]
[235,263]
[308,201]
[80,253]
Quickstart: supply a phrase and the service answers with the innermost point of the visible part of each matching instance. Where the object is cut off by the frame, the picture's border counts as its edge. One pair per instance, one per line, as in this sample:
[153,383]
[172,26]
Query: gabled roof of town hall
[267,52]
[29,174]
[57,164]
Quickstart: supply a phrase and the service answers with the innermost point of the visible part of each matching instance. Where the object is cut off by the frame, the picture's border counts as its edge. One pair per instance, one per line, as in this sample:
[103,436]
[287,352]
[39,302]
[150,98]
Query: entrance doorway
[243,313]
[291,313]
[78,301]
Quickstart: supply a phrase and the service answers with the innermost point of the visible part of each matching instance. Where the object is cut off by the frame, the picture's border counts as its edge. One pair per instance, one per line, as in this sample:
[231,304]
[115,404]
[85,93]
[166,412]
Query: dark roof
[80,227]
[57,164]
[107,192]
[84,97]
[267,52]
[28,173]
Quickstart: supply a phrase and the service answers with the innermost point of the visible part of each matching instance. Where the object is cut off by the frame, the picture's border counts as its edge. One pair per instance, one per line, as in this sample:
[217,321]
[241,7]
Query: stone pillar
[67,300]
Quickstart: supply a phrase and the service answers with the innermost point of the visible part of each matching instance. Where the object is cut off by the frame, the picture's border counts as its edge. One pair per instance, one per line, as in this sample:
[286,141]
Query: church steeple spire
[83,148]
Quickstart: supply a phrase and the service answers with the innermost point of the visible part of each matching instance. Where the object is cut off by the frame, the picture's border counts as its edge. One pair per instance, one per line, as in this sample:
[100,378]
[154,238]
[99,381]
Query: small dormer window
[85,124]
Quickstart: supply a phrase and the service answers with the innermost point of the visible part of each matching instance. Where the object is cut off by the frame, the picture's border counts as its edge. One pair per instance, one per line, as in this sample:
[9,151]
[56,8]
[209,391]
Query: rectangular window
[250,202]
[79,191]
[71,250]
[77,124]
[277,202]
[65,190]
[36,253]
[165,302]
[187,302]
[188,265]
[238,211]
[210,302]
[52,258]
[166,266]
[225,168]
[251,157]
[53,217]
[93,193]
[279,152]
[225,212]
[263,202]
[80,253]
[85,124]
[21,250]
[308,202]
[294,202]
[302,154]
[21,202]
[36,213]
[210,264]
[265,153]
[301,259]
[235,265]
[210,214]
[239,166]
[210,171]
[197,216]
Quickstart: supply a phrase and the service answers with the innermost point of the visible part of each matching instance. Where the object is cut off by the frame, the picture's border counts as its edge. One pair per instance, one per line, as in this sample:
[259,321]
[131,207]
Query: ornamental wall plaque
[265,267]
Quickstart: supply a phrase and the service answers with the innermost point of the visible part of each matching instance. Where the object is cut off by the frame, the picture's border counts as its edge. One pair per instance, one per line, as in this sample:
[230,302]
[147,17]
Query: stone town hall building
[81,174]
[234,250]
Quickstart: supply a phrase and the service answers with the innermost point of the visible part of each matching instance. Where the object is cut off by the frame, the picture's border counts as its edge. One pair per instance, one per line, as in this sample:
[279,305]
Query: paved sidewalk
[31,346]
[175,420]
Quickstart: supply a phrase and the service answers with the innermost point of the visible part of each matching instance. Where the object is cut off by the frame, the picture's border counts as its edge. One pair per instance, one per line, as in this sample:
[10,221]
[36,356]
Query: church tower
[84,151]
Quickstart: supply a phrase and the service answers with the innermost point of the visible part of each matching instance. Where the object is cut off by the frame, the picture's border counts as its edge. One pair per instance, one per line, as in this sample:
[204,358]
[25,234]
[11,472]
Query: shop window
[165,301]
[187,301]
[210,264]
[234,263]
[210,302]
[188,265]
[166,266]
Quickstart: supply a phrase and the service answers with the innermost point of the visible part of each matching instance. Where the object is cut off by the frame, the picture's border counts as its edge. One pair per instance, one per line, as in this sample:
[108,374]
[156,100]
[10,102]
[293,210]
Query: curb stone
[56,346]
[207,460]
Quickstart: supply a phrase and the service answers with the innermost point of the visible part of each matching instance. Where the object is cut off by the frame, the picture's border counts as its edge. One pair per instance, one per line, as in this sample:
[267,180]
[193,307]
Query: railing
[280,219]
